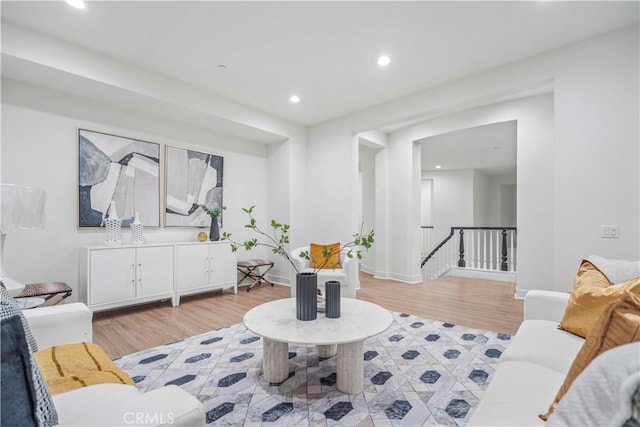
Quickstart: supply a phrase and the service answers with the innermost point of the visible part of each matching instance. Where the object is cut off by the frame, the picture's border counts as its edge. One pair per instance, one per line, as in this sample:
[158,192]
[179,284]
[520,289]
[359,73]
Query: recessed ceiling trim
[331,58]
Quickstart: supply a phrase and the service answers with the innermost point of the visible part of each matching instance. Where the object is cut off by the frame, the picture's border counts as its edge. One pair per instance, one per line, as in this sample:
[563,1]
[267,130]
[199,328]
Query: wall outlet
[610,231]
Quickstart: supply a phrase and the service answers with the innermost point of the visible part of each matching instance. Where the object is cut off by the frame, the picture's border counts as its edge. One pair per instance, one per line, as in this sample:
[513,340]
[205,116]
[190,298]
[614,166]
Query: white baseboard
[412,280]
[367,269]
[280,280]
[475,273]
[520,293]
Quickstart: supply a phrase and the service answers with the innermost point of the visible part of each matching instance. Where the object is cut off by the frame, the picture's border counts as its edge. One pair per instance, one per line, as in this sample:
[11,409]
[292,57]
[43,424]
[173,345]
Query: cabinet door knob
[139,272]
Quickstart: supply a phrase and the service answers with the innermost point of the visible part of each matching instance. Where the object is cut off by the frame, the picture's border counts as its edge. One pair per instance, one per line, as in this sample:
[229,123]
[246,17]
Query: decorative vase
[214,232]
[112,223]
[136,230]
[332,307]
[306,296]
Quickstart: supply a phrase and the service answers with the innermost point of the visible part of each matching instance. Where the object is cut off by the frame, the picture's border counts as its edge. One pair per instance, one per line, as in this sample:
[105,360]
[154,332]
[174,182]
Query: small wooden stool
[53,292]
[251,268]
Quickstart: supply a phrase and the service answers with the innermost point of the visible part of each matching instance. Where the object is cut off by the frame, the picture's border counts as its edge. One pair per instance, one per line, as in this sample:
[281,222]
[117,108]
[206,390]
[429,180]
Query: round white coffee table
[276,322]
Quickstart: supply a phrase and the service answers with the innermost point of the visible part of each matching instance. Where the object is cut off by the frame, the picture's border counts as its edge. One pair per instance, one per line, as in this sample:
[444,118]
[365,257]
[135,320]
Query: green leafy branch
[213,211]
[278,238]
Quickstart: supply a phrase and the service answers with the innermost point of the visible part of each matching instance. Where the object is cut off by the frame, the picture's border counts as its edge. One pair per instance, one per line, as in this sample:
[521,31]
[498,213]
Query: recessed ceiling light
[294,99]
[222,67]
[438,166]
[78,4]
[384,60]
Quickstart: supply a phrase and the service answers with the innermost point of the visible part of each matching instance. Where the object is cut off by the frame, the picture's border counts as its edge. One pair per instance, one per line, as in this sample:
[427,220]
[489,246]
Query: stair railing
[486,248]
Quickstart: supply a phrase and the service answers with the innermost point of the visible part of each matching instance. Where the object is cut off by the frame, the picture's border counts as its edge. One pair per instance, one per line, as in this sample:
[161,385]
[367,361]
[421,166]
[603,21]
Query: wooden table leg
[275,361]
[350,367]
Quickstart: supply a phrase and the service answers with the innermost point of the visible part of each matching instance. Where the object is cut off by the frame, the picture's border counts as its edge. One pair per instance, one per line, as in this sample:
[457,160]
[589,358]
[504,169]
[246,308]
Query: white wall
[402,211]
[591,124]
[453,201]
[508,204]
[330,188]
[427,202]
[498,213]
[596,154]
[367,167]
[278,205]
[534,153]
[481,199]
[41,149]
[381,196]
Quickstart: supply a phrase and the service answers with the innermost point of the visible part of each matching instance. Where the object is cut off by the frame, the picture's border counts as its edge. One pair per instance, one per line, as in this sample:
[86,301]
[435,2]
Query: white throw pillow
[617,270]
[604,394]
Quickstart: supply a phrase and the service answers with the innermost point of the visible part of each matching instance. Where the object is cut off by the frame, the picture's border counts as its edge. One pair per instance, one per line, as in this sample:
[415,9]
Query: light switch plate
[610,231]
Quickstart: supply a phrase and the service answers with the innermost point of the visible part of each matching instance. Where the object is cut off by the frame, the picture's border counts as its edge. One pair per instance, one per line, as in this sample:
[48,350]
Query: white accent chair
[107,404]
[347,275]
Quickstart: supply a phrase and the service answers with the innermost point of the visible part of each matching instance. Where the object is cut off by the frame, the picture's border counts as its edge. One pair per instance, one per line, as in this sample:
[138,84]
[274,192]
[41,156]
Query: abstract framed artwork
[193,179]
[117,169]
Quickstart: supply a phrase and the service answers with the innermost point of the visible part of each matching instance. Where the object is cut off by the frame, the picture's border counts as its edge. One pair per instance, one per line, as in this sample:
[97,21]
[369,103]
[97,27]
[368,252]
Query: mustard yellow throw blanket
[70,366]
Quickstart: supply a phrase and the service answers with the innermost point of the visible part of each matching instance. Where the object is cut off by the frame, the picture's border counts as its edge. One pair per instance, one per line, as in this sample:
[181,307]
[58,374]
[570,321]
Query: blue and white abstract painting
[193,179]
[121,170]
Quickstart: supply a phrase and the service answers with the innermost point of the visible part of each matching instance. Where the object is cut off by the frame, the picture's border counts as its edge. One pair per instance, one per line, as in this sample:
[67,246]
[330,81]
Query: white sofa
[533,367]
[107,404]
[347,275]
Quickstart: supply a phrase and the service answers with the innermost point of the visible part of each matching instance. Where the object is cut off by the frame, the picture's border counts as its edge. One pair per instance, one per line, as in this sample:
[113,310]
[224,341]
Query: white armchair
[60,324]
[347,275]
[107,404]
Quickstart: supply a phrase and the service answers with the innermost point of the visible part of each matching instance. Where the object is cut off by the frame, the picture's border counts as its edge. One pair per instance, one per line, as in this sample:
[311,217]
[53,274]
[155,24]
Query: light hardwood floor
[475,303]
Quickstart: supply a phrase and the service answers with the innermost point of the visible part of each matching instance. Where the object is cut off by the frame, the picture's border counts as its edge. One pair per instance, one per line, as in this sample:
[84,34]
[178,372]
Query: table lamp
[22,209]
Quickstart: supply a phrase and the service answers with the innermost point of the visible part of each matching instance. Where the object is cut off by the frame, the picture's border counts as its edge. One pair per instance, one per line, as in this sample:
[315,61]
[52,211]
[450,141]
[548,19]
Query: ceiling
[325,52]
[490,149]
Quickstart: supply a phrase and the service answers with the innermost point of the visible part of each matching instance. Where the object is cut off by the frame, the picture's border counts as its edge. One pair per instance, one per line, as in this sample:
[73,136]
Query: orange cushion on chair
[318,258]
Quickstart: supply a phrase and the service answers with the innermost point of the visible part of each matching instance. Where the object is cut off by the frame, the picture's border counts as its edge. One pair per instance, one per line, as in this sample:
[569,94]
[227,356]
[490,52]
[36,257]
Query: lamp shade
[22,208]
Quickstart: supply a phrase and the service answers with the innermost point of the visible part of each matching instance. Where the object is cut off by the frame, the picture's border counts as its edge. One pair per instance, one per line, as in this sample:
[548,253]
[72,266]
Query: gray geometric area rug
[418,372]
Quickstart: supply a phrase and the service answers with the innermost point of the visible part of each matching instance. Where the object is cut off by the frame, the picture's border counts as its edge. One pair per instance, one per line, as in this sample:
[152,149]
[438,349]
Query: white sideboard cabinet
[206,266]
[112,277]
[119,276]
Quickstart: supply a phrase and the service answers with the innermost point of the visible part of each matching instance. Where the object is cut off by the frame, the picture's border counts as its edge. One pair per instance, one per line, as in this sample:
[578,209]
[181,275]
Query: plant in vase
[277,239]
[214,211]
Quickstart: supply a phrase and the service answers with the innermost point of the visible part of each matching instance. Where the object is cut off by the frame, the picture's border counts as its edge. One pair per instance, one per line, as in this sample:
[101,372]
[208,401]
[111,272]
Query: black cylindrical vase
[306,296]
[332,307]
[214,231]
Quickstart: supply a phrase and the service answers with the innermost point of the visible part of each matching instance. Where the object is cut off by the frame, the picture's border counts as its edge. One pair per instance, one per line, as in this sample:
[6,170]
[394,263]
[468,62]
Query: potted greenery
[214,212]
[278,239]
